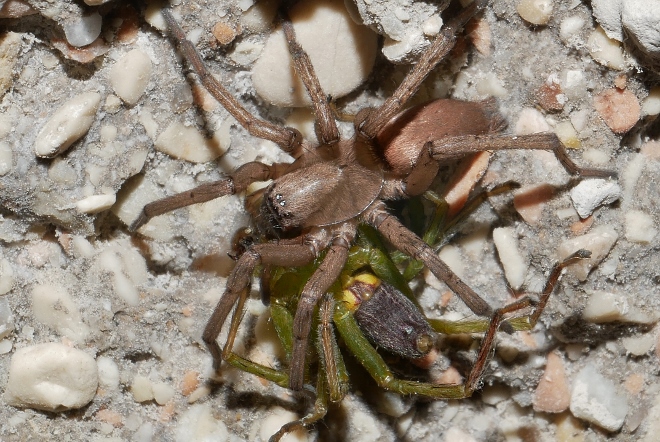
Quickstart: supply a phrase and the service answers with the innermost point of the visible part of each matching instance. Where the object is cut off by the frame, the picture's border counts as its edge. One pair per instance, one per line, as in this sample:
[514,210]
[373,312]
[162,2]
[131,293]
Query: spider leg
[412,245]
[457,147]
[325,125]
[326,274]
[235,183]
[288,138]
[238,284]
[370,123]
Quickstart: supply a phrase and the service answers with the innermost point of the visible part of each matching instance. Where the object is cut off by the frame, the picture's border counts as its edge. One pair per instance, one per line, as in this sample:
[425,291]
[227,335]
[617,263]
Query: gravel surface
[98,117]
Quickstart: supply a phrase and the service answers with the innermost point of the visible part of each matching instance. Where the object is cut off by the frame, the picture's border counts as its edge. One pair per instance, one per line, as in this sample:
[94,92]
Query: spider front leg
[235,183]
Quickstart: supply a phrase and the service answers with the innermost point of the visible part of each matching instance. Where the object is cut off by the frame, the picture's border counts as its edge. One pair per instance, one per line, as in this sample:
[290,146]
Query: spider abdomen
[403,138]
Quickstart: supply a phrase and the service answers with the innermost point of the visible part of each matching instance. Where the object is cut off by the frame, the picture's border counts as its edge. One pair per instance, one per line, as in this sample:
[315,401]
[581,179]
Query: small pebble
[605,307]
[619,108]
[188,143]
[640,227]
[69,123]
[594,398]
[130,76]
[224,33]
[162,392]
[605,50]
[651,104]
[530,201]
[567,134]
[95,203]
[6,276]
[6,319]
[6,158]
[55,307]
[83,31]
[464,180]
[530,121]
[599,242]
[550,96]
[640,19]
[198,424]
[51,377]
[108,373]
[638,345]
[341,51]
[10,46]
[570,27]
[593,193]
[142,389]
[536,12]
[552,395]
[514,263]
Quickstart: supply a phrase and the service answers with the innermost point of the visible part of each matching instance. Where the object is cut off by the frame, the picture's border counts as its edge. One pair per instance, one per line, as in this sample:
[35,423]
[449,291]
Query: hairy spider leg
[237,182]
[449,148]
[289,139]
[370,122]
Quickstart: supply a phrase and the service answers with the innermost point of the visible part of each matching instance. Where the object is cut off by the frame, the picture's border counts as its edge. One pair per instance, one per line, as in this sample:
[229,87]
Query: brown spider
[315,203]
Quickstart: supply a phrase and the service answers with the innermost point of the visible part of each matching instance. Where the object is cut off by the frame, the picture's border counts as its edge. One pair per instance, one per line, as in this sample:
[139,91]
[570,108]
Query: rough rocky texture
[138,303]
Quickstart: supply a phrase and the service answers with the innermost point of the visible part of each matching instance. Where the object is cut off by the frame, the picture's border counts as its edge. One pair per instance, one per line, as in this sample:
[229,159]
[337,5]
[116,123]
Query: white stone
[127,267]
[130,76]
[68,124]
[277,417]
[83,31]
[536,12]
[6,158]
[142,389]
[605,50]
[514,263]
[163,392]
[198,425]
[605,307]
[530,121]
[608,14]
[640,227]
[188,143]
[6,319]
[569,27]
[53,306]
[651,104]
[96,203]
[246,52]
[108,373]
[51,377]
[599,242]
[154,17]
[641,19]
[591,194]
[594,398]
[567,134]
[96,2]
[341,52]
[6,276]
[639,345]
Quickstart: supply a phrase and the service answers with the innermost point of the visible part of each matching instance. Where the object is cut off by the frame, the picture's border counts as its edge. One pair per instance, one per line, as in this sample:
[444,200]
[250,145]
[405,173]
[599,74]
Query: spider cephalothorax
[317,201]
